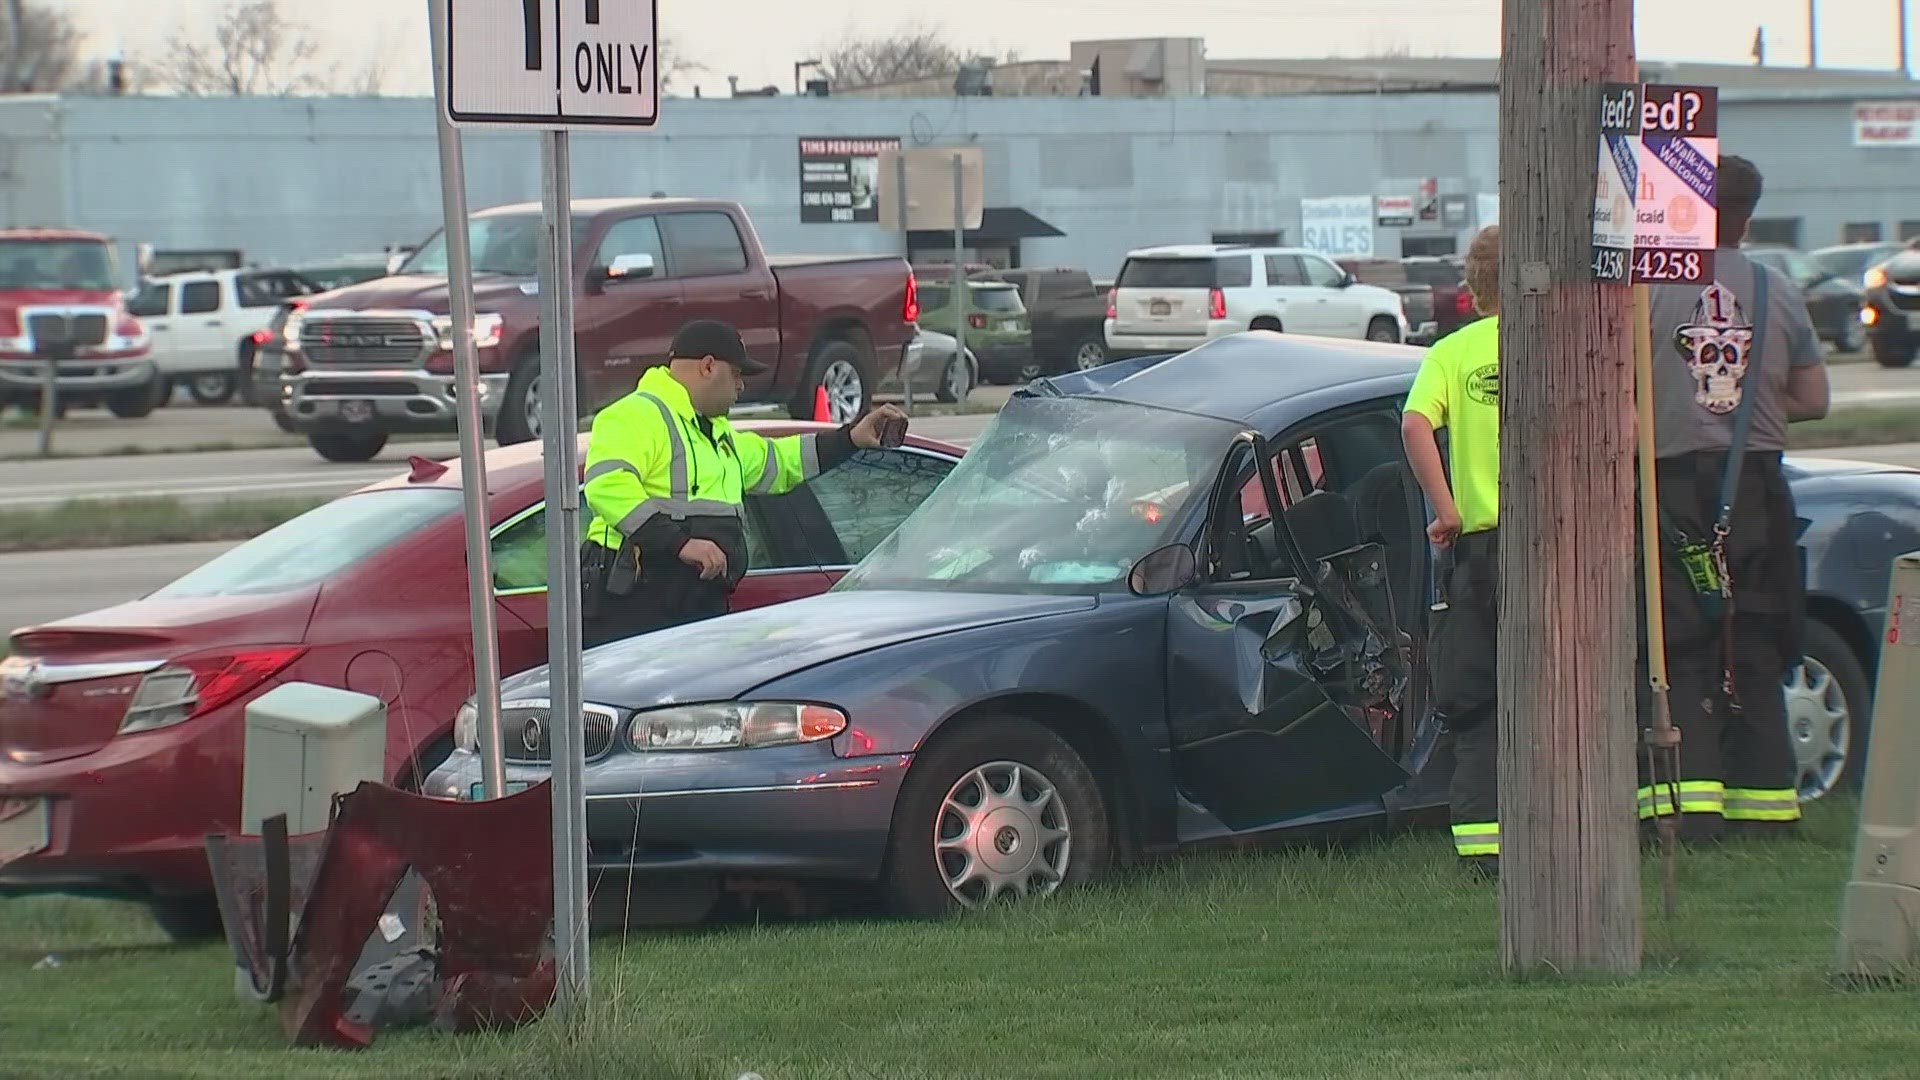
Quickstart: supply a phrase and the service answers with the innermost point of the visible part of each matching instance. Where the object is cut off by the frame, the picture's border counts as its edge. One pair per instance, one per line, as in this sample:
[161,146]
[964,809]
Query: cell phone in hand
[893,431]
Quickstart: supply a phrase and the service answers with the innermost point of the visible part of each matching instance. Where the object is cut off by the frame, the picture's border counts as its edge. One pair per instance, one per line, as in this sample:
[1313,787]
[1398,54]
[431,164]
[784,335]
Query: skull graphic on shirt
[1717,346]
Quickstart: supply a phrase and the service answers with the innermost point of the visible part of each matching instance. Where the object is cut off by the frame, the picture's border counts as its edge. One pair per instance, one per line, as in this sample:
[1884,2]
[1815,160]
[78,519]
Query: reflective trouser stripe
[1476,838]
[1763,804]
[1696,797]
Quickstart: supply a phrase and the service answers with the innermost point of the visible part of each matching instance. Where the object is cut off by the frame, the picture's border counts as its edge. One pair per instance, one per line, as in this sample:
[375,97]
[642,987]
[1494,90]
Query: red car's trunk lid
[66,687]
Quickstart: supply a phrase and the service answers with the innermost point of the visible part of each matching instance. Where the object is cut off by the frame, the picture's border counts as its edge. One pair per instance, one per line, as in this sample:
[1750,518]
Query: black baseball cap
[711,337]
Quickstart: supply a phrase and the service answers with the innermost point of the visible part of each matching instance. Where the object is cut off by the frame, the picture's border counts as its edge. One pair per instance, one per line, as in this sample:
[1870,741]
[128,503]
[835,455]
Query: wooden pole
[1569,864]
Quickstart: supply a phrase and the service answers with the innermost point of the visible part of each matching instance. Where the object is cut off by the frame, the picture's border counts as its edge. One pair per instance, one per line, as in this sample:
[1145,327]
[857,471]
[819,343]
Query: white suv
[1170,299]
[201,322]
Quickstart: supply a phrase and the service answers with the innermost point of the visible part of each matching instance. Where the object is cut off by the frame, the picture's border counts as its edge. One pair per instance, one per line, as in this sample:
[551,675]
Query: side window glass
[1322,273]
[759,552]
[634,236]
[1284,270]
[151,301]
[868,497]
[199,297]
[704,244]
[520,554]
[1235,272]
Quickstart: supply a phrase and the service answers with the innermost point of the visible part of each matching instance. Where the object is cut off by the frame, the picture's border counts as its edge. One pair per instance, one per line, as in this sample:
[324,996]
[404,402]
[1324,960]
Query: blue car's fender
[1096,676]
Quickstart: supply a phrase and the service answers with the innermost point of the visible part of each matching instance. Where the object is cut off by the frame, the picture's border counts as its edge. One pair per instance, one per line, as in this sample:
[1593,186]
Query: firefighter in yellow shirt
[1458,390]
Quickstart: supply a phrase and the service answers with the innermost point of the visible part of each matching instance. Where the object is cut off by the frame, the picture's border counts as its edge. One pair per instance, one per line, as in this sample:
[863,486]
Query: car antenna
[420,469]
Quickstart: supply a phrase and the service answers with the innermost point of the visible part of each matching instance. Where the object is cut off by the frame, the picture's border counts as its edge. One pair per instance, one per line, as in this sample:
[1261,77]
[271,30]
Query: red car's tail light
[1113,298]
[1463,302]
[197,685]
[261,337]
[1216,304]
[978,322]
[910,311]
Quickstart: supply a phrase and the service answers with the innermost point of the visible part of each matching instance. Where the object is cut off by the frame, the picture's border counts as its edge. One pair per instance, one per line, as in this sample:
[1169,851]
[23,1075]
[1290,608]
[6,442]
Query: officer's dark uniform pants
[1465,658]
[1737,763]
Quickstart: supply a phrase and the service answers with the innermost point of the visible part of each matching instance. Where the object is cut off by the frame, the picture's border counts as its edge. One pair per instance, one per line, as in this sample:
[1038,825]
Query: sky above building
[759,40]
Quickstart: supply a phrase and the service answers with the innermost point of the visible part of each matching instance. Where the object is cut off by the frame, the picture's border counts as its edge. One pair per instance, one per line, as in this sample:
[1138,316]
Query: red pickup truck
[376,358]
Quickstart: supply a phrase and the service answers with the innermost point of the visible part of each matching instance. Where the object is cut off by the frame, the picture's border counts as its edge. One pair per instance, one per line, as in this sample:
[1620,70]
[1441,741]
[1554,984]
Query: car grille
[526,734]
[362,341]
[57,329]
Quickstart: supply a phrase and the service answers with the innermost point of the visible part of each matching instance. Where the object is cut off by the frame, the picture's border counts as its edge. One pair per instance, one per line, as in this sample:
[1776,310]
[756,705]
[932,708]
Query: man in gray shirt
[1712,351]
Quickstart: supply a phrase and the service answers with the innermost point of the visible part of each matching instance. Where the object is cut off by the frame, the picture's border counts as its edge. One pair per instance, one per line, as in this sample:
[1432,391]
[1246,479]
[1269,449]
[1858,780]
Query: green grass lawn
[1374,960]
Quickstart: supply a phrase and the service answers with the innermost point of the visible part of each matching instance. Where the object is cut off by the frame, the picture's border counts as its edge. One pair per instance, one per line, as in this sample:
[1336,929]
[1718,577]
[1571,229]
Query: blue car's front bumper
[794,812]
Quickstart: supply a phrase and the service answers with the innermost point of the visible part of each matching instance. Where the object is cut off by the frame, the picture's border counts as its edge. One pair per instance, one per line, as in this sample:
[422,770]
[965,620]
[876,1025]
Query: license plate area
[1159,308]
[357,411]
[26,828]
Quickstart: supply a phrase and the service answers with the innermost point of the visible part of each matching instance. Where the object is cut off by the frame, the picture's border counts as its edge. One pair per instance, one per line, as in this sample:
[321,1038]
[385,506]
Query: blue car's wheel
[1000,808]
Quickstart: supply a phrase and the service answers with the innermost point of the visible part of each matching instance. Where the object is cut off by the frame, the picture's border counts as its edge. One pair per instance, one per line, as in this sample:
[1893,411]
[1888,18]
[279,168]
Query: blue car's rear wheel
[1001,808]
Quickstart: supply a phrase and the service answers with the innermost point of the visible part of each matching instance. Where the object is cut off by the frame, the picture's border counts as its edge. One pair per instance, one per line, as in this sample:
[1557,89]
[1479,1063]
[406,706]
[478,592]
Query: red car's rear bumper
[132,818]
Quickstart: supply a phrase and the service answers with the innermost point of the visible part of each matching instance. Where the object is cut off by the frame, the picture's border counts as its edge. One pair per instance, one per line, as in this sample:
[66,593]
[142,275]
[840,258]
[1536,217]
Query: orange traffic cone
[822,413]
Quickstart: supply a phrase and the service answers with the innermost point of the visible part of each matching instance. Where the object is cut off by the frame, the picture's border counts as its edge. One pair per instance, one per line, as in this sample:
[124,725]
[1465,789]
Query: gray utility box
[1880,914]
[305,745]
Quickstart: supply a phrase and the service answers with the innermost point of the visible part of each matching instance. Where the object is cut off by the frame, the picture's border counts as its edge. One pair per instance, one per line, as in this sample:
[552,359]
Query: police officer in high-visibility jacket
[666,474]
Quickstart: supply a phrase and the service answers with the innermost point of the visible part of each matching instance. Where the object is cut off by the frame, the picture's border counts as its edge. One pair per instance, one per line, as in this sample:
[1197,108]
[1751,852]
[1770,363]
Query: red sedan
[121,730]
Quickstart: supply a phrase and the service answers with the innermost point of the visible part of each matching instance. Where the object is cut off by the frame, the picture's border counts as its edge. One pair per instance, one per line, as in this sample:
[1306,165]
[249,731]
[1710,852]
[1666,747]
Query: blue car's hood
[723,658]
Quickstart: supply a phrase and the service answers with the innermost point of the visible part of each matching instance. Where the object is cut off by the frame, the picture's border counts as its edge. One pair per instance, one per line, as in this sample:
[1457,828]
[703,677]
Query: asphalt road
[41,586]
[253,474]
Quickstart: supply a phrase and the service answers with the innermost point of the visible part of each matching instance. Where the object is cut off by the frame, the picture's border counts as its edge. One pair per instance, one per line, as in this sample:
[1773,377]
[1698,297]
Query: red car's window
[318,544]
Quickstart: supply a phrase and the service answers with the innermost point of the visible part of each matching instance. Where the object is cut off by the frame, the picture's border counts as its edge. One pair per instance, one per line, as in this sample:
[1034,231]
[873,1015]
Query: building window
[1783,231]
[1909,230]
[1250,239]
[1860,232]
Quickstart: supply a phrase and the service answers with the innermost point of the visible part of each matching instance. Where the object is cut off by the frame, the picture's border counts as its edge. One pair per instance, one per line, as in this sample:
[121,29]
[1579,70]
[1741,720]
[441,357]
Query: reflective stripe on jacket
[648,459]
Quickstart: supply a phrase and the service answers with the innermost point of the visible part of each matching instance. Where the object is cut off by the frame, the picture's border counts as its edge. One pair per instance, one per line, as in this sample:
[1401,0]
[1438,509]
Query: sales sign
[840,178]
[1655,216]
[1341,226]
[552,64]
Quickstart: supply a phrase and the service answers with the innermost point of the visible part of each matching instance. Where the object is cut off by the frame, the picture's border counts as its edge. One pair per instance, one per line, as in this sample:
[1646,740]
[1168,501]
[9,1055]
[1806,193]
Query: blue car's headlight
[734,725]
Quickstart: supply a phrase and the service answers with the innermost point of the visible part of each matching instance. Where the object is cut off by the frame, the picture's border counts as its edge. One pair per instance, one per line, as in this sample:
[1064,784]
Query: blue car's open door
[1287,670]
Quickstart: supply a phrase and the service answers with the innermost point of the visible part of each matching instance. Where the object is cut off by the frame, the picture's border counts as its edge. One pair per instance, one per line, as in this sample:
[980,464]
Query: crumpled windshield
[506,244]
[1059,495]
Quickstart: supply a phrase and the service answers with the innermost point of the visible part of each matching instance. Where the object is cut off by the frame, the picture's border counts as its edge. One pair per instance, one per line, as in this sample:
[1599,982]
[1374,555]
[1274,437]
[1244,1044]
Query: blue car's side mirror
[1166,570]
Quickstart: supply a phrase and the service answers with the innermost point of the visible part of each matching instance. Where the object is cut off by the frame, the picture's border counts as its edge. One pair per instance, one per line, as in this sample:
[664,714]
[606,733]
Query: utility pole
[1569,860]
[1901,7]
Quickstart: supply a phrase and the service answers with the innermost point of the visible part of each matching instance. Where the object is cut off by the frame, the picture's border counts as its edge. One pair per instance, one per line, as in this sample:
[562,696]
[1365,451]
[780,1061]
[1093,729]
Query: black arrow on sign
[530,15]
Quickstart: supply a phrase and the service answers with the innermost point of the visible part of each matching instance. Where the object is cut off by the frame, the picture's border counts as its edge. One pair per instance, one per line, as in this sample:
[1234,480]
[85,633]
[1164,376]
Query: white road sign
[553,63]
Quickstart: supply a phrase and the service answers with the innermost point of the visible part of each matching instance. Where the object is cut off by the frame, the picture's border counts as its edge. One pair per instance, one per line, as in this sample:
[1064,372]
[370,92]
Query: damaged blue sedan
[1166,602]
[1092,642]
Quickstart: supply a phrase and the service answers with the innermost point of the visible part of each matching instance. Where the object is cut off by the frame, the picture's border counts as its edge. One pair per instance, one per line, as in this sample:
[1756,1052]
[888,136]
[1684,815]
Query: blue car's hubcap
[1002,830]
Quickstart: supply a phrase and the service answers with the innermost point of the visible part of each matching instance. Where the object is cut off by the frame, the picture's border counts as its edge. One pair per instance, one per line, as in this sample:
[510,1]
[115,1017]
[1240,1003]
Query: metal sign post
[49,405]
[555,66]
[473,468]
[959,265]
[560,423]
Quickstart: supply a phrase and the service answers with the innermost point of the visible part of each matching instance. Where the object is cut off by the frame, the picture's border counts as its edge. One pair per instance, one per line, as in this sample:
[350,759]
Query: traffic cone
[822,413]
